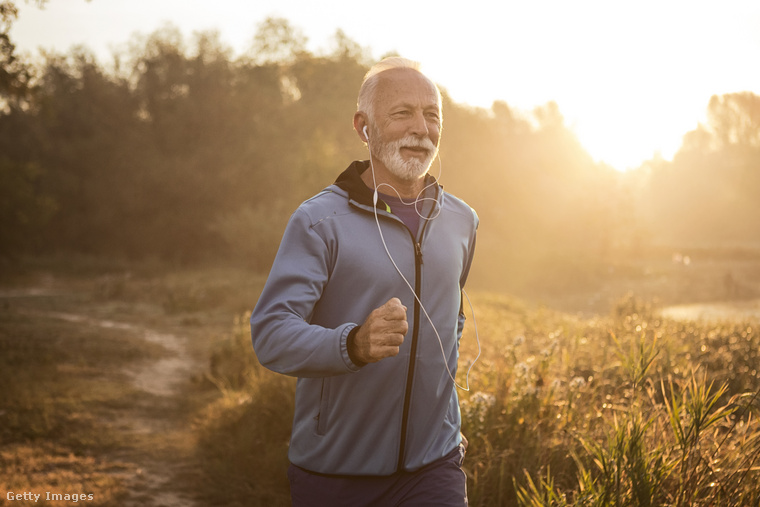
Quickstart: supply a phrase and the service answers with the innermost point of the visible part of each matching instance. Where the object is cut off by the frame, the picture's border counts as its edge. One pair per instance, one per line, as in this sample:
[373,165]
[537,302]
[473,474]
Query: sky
[630,78]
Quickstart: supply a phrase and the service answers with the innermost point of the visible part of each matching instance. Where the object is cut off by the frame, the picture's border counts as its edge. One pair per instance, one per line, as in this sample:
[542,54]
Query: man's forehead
[407,82]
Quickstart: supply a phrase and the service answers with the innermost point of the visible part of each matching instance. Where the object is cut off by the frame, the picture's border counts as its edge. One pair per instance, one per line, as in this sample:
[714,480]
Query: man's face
[405,128]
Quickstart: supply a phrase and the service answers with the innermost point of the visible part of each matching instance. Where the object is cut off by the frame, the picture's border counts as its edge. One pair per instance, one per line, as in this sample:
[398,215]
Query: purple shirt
[408,212]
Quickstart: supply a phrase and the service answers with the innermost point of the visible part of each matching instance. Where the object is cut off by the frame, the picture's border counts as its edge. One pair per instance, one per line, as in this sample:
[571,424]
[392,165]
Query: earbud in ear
[366,134]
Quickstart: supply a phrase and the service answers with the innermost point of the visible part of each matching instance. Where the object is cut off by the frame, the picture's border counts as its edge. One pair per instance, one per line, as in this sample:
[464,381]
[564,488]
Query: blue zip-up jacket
[330,272]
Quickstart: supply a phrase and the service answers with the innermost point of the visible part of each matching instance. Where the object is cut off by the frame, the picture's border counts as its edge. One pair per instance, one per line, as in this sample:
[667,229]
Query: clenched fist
[382,333]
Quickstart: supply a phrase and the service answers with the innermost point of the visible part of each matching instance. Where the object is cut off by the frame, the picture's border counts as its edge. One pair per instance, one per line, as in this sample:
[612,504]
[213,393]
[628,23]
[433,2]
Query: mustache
[415,142]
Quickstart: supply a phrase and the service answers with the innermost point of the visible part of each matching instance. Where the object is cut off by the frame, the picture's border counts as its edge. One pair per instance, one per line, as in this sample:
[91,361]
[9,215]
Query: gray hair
[371,79]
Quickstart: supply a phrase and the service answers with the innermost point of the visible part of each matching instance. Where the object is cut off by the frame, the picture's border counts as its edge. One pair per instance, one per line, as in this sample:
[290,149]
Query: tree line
[181,151]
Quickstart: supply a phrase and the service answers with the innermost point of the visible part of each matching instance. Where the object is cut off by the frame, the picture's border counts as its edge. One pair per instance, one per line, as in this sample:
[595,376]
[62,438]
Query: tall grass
[626,410]
[244,434]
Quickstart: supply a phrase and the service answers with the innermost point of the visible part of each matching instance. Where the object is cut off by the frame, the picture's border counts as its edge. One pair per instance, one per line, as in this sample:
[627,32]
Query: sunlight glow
[630,79]
[645,131]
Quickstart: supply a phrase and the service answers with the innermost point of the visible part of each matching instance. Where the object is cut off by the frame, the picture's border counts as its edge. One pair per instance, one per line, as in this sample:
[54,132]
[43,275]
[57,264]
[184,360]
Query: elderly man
[364,305]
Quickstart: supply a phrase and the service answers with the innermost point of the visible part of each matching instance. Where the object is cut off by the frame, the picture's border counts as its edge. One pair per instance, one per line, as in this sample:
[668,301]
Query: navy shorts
[442,483]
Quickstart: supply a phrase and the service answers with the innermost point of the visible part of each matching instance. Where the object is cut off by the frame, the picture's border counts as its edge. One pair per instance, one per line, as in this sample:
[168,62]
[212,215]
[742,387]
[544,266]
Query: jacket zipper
[412,354]
[415,336]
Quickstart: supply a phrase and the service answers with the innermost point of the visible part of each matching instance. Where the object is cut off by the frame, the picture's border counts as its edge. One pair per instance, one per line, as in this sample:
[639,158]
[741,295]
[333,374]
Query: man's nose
[419,125]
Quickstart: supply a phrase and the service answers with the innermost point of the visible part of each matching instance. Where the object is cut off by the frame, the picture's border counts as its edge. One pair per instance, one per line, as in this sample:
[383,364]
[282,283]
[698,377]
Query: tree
[23,208]
[735,118]
[708,195]
[14,75]
[277,41]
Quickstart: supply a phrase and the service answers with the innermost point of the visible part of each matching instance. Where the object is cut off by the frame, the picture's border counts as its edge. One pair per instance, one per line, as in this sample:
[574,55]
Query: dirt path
[156,461]
[160,378]
[153,481]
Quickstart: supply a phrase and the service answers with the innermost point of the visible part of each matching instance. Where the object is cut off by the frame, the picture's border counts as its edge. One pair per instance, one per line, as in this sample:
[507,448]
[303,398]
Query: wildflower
[481,398]
[577,383]
[476,408]
[522,370]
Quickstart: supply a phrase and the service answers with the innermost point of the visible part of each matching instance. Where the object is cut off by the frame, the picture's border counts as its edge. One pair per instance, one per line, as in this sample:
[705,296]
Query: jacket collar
[350,180]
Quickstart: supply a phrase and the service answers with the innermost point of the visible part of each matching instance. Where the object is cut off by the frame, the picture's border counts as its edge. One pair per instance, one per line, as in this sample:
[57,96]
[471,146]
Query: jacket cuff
[349,345]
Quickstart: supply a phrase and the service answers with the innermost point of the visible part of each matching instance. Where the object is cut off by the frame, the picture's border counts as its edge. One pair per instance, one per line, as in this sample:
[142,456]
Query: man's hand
[382,333]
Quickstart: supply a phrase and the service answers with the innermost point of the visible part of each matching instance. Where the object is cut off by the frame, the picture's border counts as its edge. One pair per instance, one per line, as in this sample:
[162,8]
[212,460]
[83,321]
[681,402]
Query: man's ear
[360,124]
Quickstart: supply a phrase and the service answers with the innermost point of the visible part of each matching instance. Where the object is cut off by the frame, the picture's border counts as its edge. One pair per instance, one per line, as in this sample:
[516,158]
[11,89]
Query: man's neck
[407,189]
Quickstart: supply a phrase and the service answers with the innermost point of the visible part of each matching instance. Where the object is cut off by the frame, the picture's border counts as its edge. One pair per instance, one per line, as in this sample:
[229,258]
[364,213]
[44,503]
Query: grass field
[138,385]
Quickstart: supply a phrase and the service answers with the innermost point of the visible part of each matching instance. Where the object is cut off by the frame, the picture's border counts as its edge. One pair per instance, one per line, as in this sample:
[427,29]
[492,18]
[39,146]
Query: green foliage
[277,41]
[14,74]
[147,160]
[23,209]
[169,153]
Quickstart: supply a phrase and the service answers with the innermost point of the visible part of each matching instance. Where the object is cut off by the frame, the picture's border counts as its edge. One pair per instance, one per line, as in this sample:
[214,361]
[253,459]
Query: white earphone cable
[430,320]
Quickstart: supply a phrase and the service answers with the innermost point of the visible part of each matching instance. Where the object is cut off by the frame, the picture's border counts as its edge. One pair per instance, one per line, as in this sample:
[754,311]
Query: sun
[626,134]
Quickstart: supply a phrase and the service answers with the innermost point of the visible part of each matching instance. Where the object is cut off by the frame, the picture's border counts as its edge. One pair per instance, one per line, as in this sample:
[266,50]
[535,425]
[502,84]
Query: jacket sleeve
[284,339]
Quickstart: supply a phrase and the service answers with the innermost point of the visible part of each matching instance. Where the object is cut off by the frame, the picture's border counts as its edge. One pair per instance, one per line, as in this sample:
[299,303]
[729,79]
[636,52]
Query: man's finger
[393,339]
[394,303]
[388,350]
[393,310]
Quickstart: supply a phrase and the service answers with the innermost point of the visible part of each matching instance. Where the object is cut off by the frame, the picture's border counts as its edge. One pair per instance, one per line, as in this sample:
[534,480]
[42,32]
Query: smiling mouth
[416,150]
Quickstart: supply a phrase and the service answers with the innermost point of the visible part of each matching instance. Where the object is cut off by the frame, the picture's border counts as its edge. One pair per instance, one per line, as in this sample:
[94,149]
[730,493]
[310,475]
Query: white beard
[412,168]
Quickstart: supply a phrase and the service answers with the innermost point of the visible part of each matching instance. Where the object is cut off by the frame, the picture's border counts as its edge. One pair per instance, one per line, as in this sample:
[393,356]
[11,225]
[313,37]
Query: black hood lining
[351,181]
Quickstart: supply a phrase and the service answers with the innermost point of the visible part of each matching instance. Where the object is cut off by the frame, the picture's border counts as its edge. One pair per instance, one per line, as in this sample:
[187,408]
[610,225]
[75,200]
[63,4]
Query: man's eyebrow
[409,105]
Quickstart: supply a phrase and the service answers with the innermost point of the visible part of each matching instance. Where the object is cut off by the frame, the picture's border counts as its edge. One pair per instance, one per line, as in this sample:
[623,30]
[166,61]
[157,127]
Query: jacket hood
[351,181]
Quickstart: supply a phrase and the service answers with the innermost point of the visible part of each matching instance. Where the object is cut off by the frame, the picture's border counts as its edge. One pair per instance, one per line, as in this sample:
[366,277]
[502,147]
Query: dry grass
[84,408]
[60,384]
[626,408]
[630,409]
